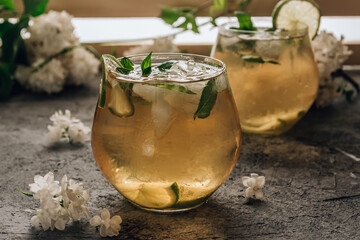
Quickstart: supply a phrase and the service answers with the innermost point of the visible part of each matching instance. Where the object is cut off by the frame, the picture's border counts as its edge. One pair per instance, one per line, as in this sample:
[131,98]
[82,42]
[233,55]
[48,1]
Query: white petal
[116,220]
[260,182]
[259,195]
[251,182]
[254,175]
[244,181]
[95,221]
[249,192]
[105,214]
[35,221]
[103,231]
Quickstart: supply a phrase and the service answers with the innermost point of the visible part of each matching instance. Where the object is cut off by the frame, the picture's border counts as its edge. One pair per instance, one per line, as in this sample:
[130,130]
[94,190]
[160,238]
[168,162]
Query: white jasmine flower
[45,186]
[75,198]
[50,33]
[78,132]
[160,45]
[58,204]
[50,78]
[330,54]
[254,184]
[82,66]
[50,215]
[54,134]
[108,227]
[67,128]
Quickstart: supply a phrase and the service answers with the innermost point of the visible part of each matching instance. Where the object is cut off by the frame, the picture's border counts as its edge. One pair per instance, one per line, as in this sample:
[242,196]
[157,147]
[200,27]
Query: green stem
[63,52]
[25,193]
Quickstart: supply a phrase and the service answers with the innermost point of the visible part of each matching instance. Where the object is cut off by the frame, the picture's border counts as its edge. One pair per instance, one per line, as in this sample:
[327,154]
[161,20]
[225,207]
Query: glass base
[169,210]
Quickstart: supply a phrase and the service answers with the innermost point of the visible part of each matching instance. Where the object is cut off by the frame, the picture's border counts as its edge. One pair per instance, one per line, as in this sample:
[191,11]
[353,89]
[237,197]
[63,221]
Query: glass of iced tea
[166,141]
[272,73]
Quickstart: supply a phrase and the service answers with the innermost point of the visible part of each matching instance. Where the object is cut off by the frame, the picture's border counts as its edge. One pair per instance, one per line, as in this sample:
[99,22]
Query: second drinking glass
[273,75]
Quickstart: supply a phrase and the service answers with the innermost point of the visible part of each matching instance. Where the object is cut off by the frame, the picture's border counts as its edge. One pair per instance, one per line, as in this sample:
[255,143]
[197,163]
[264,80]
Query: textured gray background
[309,191]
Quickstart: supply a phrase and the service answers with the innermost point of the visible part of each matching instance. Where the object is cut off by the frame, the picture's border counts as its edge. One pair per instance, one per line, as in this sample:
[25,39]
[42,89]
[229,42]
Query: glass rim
[277,34]
[171,57]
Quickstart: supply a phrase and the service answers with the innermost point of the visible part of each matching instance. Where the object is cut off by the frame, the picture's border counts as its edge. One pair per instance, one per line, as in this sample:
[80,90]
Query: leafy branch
[12,51]
[185,17]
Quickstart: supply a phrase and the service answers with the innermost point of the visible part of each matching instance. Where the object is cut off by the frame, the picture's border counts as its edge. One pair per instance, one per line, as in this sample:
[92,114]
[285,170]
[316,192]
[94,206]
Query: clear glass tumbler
[273,75]
[167,141]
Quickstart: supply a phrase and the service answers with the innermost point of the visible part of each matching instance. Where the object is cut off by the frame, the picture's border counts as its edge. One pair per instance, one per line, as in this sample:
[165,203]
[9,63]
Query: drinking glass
[174,138]
[273,75]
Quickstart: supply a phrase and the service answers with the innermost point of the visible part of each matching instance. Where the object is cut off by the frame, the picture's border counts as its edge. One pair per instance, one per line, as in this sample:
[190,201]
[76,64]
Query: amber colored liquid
[271,98]
[142,149]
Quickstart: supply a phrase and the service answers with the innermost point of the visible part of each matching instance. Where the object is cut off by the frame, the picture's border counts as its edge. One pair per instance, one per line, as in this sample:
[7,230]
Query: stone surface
[312,190]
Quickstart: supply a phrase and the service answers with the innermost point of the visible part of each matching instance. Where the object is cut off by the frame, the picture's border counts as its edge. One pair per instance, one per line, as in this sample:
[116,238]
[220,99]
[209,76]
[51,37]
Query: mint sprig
[245,22]
[207,100]
[146,66]
[171,14]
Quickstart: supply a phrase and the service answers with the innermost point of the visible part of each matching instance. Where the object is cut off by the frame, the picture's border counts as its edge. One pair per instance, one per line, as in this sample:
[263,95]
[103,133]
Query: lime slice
[120,103]
[151,195]
[108,63]
[293,14]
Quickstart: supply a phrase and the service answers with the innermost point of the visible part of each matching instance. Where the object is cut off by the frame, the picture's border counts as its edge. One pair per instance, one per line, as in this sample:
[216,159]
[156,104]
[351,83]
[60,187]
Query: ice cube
[148,147]
[221,83]
[187,103]
[269,48]
[147,92]
[161,113]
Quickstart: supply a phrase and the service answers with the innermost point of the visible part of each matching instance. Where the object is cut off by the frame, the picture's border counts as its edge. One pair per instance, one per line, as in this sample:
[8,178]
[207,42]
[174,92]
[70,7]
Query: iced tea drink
[167,141]
[273,76]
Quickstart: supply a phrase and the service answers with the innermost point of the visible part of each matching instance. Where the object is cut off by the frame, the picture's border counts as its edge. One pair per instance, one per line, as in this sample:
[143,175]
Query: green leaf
[35,7]
[177,88]
[257,59]
[207,100]
[219,5]
[282,121]
[25,193]
[171,14]
[6,81]
[123,70]
[146,66]
[7,5]
[245,22]
[301,113]
[175,188]
[166,65]
[127,64]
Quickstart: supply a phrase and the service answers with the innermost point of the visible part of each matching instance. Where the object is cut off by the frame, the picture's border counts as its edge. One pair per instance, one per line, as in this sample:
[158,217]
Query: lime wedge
[293,14]
[108,63]
[120,104]
[151,195]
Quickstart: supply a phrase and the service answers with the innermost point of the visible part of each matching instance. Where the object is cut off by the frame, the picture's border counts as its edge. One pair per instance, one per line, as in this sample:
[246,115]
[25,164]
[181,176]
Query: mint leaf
[123,70]
[127,64]
[171,14]
[7,5]
[207,100]
[177,88]
[166,65]
[301,113]
[146,66]
[35,7]
[282,121]
[257,59]
[245,22]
